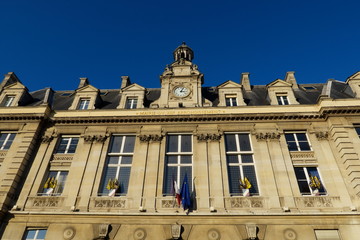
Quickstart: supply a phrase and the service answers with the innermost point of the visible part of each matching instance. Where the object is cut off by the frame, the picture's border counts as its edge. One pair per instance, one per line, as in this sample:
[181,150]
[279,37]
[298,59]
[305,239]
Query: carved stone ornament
[324,135]
[47,139]
[290,234]
[209,137]
[94,138]
[317,202]
[103,230]
[246,202]
[139,234]
[175,231]
[69,233]
[46,202]
[110,203]
[267,136]
[214,234]
[150,137]
[251,230]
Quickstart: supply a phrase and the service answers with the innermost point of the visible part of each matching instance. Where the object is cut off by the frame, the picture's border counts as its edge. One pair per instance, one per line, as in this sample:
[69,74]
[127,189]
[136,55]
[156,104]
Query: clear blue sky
[53,43]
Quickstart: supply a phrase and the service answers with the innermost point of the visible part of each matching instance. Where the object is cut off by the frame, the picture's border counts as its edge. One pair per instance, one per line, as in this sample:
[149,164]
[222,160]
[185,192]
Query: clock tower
[181,82]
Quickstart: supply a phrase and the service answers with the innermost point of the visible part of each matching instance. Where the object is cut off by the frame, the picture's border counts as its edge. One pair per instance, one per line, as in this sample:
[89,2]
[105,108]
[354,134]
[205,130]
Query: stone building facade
[260,162]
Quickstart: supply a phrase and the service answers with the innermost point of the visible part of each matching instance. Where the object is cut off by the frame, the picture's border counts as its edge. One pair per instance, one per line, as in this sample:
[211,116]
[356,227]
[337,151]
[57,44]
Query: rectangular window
[230,101]
[282,99]
[84,104]
[178,162]
[331,234]
[240,162]
[6,139]
[54,183]
[297,141]
[309,181]
[115,180]
[131,103]
[34,234]
[8,100]
[67,144]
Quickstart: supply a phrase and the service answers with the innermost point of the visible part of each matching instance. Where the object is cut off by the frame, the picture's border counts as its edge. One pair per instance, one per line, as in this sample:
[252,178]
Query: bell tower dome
[183,52]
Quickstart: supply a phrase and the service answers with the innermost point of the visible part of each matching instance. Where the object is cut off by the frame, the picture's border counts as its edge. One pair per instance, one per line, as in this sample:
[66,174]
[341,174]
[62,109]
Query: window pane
[188,171]
[169,176]
[357,130]
[114,160]
[124,179]
[234,178]
[126,160]
[232,158]
[292,146]
[289,137]
[233,101]
[185,143]
[249,172]
[172,159]
[244,142]
[62,145]
[173,143]
[230,143]
[61,182]
[286,102]
[246,158]
[302,181]
[41,234]
[301,137]
[129,144]
[73,144]
[304,146]
[227,100]
[109,173]
[312,171]
[116,144]
[30,234]
[186,159]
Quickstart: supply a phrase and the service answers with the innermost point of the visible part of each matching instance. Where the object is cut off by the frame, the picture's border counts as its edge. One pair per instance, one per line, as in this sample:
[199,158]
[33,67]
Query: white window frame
[68,144]
[297,141]
[119,165]
[84,104]
[281,99]
[178,165]
[239,153]
[8,100]
[231,99]
[308,178]
[36,233]
[133,101]
[6,140]
[56,190]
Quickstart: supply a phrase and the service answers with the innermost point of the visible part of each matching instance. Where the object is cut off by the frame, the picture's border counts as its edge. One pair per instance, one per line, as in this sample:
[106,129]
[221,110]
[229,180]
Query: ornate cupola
[181,82]
[183,52]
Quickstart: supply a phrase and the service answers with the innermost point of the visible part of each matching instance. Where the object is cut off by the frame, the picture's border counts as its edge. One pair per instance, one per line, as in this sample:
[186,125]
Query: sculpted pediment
[229,84]
[279,83]
[133,87]
[16,85]
[87,88]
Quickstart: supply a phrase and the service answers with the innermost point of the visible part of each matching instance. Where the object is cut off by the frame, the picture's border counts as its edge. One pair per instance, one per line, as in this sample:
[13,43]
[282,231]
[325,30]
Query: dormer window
[8,100]
[230,100]
[131,103]
[84,103]
[282,99]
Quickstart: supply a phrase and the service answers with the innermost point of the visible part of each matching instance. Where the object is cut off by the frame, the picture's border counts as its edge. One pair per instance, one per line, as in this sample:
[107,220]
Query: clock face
[181,91]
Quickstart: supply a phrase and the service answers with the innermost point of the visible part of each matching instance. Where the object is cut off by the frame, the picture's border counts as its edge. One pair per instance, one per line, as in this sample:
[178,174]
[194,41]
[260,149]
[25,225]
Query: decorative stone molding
[290,234]
[176,231]
[103,230]
[317,202]
[3,153]
[251,230]
[69,233]
[95,138]
[246,202]
[150,137]
[267,136]
[209,137]
[213,234]
[168,203]
[62,157]
[47,139]
[323,135]
[302,155]
[44,201]
[109,203]
[139,234]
